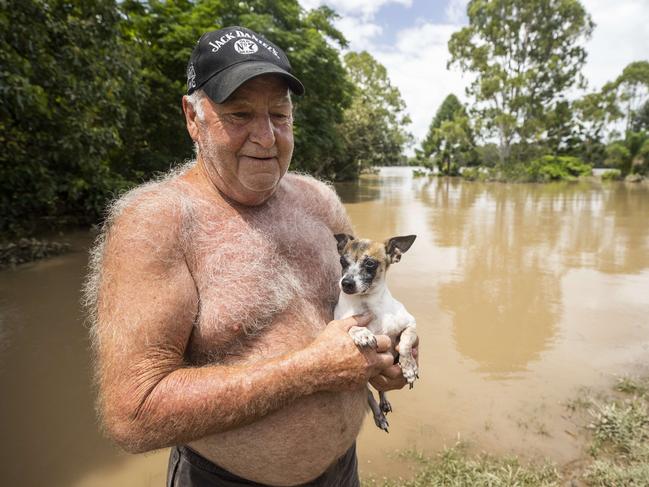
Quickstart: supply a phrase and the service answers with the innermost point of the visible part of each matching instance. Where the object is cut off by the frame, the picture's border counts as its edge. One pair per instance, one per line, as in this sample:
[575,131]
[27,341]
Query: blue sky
[409,37]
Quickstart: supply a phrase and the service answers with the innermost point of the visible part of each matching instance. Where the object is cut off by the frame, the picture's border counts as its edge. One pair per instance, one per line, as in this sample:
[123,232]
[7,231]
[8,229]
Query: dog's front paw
[409,368]
[363,337]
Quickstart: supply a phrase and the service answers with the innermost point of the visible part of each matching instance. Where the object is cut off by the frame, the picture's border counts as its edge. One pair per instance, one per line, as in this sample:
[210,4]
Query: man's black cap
[224,59]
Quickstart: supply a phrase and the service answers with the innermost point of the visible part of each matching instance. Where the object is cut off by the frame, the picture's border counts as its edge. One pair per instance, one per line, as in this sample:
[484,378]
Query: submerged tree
[525,54]
[449,141]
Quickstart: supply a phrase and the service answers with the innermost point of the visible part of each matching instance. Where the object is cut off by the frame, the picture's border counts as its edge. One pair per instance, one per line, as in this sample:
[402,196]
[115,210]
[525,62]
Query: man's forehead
[272,87]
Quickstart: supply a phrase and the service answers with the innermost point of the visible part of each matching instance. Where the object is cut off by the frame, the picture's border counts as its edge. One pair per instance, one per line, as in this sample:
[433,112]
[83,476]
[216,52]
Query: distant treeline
[91,98]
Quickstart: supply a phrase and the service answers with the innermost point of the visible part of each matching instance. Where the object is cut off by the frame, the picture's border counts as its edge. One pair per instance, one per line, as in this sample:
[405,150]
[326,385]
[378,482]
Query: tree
[597,115]
[525,54]
[641,119]
[630,155]
[450,140]
[66,85]
[372,129]
[632,90]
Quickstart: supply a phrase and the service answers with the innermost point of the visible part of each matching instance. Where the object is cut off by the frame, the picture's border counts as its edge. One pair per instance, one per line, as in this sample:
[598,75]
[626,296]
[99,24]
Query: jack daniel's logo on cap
[244,46]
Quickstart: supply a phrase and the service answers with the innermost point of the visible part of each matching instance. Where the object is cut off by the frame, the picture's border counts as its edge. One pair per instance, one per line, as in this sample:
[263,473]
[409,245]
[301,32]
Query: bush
[557,168]
[612,175]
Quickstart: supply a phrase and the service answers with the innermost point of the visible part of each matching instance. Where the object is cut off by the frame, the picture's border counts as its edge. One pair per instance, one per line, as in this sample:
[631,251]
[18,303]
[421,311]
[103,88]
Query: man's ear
[396,246]
[191,118]
[342,239]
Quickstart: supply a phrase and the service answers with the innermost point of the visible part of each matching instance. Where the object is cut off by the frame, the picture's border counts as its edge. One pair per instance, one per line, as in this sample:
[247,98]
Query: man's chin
[260,183]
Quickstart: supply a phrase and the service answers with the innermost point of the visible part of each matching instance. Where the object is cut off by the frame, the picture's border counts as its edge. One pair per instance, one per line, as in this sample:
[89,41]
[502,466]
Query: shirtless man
[213,291]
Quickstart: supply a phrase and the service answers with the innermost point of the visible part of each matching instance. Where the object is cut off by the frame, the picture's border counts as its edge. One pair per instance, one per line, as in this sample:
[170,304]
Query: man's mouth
[260,158]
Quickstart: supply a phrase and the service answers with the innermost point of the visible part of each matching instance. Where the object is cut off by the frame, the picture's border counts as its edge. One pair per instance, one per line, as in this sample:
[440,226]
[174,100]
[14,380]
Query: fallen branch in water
[28,250]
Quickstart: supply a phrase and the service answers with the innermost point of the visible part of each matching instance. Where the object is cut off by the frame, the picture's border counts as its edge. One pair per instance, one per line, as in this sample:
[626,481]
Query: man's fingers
[392,372]
[383,343]
[383,383]
[386,360]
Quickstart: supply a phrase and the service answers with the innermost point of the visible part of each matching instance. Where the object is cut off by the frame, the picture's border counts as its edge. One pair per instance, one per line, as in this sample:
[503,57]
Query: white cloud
[456,11]
[417,66]
[621,36]
[358,32]
[364,8]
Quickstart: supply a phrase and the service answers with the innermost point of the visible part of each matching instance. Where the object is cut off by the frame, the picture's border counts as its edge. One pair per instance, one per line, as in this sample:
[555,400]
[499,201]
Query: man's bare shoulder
[319,198]
[148,218]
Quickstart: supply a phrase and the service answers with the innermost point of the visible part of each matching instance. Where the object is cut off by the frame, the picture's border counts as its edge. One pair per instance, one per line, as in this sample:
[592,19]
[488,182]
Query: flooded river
[523,294]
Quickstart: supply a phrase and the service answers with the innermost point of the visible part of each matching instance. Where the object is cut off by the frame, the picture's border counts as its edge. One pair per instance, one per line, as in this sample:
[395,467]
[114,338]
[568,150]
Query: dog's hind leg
[384,404]
[379,418]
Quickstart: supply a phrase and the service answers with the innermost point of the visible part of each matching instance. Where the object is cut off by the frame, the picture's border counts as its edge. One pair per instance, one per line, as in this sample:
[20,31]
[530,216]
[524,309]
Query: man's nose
[263,131]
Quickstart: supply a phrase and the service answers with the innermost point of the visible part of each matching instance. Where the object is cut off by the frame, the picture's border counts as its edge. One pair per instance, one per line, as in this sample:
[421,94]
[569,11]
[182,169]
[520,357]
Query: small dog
[364,266]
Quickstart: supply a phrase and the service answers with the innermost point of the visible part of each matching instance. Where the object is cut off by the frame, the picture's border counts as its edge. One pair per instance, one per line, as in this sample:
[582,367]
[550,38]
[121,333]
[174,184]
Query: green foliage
[557,168]
[630,155]
[640,120]
[91,95]
[67,79]
[526,55]
[449,142]
[612,175]
[487,155]
[633,89]
[372,126]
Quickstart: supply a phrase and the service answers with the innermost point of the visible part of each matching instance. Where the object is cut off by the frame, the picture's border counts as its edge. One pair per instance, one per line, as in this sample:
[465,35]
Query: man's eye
[343,262]
[241,115]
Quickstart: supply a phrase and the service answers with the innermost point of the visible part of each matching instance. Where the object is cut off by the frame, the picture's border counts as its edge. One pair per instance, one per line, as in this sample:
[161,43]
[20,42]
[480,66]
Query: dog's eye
[371,265]
[343,262]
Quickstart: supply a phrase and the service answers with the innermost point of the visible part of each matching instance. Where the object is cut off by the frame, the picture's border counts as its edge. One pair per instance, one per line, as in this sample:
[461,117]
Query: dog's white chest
[391,317]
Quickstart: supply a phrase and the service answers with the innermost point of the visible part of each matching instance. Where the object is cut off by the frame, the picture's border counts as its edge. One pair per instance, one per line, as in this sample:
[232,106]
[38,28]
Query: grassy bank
[615,430]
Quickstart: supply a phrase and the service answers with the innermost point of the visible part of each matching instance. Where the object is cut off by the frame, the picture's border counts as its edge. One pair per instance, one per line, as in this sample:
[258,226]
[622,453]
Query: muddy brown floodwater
[522,294]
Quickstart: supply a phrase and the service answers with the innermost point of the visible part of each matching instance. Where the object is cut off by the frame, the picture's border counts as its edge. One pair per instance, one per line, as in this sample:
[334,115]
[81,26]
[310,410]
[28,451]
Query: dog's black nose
[348,285]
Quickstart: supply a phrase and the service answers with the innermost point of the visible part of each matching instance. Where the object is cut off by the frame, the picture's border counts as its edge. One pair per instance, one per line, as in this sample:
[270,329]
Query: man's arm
[149,396]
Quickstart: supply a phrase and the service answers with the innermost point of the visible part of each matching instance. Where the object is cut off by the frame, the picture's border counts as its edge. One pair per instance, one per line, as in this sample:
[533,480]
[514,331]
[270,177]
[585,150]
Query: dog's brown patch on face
[358,250]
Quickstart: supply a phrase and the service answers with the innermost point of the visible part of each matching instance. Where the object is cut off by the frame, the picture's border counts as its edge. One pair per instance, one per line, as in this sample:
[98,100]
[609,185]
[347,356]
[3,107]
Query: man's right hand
[345,366]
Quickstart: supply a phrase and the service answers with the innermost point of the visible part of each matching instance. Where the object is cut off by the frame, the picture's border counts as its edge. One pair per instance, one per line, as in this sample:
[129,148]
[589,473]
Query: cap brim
[220,86]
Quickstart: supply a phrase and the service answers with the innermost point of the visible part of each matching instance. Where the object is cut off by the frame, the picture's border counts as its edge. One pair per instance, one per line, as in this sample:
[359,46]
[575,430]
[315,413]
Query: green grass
[620,437]
[616,452]
[454,467]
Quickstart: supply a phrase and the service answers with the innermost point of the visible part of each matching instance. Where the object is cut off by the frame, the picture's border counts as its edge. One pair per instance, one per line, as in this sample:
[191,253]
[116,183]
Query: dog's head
[365,262]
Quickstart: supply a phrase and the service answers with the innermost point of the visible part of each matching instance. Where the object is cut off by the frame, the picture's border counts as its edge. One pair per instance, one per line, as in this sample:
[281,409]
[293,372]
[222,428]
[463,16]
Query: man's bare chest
[258,272]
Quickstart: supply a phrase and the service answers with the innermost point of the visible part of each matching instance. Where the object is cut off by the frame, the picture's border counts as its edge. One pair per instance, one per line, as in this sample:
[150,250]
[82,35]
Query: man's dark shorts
[188,469]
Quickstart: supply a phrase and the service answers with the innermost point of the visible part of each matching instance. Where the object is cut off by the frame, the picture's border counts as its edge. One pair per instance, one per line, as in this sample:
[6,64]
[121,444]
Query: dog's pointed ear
[342,239]
[397,246]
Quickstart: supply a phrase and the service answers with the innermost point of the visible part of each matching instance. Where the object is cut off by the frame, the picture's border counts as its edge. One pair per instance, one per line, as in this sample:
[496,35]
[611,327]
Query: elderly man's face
[246,143]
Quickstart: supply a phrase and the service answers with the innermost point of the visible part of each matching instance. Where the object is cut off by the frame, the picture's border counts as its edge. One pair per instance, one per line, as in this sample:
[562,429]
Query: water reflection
[515,243]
